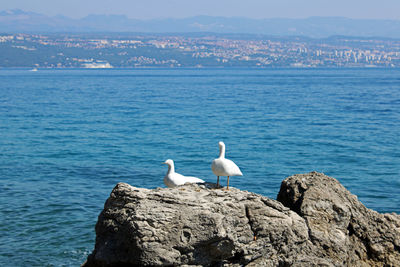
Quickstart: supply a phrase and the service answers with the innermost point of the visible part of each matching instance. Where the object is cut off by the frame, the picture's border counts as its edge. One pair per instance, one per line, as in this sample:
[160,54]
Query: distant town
[194,51]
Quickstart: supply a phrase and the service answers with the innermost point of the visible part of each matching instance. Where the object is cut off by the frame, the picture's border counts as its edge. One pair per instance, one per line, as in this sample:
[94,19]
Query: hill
[17,21]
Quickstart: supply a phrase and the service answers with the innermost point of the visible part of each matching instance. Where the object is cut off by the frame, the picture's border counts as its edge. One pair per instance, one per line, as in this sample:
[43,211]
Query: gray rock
[320,224]
[340,226]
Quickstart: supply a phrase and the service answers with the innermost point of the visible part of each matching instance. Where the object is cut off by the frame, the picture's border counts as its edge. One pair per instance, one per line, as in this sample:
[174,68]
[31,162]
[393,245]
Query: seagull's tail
[194,180]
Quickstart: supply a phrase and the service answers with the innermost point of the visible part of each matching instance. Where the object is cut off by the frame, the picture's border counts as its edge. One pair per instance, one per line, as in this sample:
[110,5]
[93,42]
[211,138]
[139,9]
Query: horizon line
[194,16]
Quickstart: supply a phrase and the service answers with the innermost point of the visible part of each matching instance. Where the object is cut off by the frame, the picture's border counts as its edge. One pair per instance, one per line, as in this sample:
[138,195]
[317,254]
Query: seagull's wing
[232,168]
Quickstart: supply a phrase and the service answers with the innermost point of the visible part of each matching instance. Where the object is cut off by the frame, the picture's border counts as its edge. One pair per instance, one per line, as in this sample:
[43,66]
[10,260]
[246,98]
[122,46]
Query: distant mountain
[12,21]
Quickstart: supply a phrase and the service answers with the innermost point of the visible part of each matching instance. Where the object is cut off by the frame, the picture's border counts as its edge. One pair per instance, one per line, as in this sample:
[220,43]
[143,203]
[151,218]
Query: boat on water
[34,69]
[98,65]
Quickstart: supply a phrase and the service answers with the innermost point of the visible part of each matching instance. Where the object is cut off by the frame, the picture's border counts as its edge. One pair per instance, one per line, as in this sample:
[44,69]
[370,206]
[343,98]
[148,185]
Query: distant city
[194,50]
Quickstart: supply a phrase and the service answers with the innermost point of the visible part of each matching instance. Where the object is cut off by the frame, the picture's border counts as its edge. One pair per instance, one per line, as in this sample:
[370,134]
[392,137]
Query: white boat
[34,69]
[98,65]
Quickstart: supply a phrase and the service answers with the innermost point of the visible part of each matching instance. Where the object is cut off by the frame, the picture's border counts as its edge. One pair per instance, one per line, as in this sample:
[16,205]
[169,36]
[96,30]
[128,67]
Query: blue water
[68,136]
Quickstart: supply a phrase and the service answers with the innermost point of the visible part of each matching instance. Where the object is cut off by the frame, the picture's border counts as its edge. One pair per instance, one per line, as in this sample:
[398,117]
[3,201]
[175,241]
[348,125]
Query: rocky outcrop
[341,227]
[316,222]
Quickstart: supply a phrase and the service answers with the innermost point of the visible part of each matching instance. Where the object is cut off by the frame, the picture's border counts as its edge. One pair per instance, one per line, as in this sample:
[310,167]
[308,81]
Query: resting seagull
[173,179]
[224,167]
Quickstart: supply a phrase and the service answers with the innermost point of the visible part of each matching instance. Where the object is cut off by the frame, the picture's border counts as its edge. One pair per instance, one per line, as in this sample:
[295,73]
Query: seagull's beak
[163,163]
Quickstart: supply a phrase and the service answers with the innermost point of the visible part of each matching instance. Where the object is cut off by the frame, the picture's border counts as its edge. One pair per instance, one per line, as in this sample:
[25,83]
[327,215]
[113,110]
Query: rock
[319,224]
[340,226]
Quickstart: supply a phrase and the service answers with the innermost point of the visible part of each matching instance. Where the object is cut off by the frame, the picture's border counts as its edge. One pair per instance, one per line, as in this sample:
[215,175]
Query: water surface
[68,136]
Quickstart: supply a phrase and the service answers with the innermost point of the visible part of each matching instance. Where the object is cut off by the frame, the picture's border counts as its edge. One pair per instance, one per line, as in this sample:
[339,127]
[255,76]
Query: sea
[68,136]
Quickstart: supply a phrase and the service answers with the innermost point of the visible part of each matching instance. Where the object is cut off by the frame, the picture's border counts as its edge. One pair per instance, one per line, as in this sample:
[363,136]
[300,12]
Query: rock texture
[316,222]
[341,227]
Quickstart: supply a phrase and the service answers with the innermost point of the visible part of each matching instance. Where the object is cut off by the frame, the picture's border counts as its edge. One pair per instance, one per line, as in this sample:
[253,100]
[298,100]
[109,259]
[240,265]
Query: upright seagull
[224,167]
[173,179]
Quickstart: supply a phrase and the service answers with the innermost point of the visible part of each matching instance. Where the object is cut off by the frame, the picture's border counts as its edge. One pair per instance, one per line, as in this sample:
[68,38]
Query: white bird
[224,167]
[173,179]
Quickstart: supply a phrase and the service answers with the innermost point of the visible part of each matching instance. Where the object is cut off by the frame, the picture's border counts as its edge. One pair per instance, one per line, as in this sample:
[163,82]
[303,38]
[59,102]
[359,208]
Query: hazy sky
[146,9]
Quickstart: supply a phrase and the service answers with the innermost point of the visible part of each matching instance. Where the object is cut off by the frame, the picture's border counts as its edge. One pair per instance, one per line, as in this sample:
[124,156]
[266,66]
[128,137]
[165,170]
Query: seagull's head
[221,144]
[169,162]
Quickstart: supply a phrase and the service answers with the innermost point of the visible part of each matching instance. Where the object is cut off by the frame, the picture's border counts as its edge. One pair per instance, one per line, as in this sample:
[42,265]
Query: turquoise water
[68,136]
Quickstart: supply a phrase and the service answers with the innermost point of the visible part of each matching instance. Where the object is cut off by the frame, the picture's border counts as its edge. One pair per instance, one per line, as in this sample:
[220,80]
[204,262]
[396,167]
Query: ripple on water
[64,147]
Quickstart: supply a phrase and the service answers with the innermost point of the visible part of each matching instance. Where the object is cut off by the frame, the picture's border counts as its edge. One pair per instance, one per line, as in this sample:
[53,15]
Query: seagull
[173,179]
[224,167]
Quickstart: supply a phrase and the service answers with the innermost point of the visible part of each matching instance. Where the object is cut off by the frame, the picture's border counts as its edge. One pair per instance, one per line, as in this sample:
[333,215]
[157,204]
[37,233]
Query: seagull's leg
[227,187]
[218,182]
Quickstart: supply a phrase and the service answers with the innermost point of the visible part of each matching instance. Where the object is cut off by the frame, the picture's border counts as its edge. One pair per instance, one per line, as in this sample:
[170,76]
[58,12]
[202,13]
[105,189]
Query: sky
[151,9]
